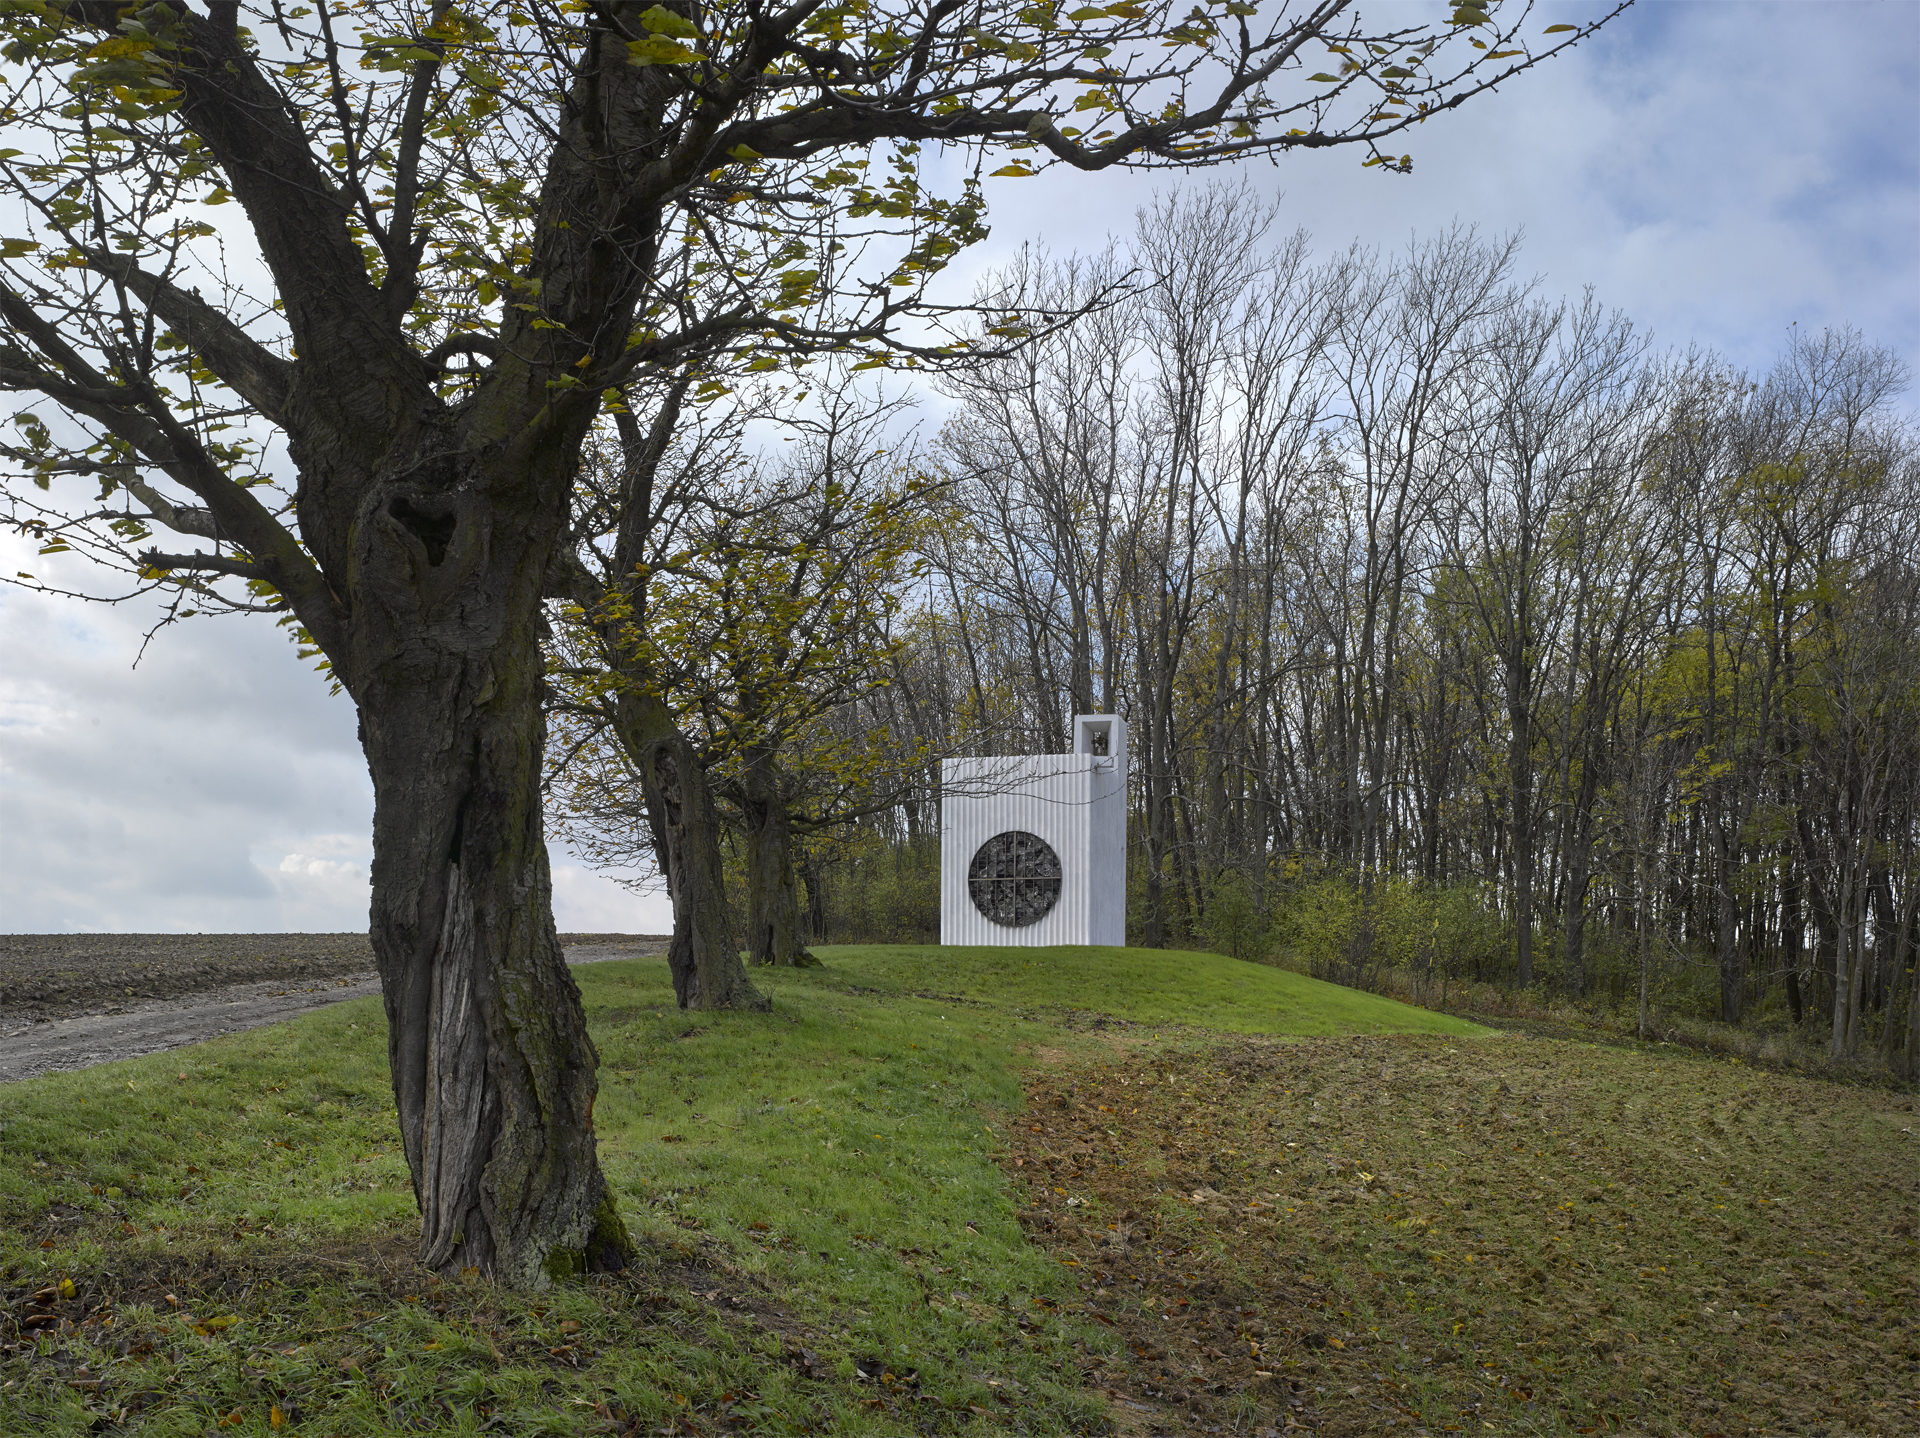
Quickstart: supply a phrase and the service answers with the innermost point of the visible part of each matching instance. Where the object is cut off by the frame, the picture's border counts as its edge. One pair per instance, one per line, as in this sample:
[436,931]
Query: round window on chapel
[1014,878]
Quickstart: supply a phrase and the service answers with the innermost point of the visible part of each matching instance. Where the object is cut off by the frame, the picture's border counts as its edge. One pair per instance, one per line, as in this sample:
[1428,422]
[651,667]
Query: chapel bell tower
[1033,848]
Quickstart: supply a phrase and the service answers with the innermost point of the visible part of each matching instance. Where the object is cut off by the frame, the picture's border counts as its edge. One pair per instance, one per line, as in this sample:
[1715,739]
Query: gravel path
[29,1047]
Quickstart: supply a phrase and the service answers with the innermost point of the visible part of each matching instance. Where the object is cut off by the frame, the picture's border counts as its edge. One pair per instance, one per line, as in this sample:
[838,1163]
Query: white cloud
[1718,171]
[586,902]
[166,797]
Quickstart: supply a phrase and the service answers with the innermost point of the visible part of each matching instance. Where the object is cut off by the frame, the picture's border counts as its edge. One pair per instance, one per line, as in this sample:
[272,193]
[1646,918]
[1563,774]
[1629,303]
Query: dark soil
[52,976]
[64,975]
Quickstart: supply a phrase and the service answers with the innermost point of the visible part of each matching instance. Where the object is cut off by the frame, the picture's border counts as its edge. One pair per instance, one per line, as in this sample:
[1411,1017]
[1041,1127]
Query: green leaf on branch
[659,50]
[663,21]
[796,285]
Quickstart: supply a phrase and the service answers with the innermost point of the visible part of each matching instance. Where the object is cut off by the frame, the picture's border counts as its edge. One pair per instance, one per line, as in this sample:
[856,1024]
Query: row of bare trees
[1407,574]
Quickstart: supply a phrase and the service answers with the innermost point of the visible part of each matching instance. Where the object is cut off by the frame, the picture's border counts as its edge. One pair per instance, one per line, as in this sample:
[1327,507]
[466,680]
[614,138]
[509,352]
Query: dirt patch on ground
[58,1045]
[47,976]
[54,976]
[215,995]
[1382,1235]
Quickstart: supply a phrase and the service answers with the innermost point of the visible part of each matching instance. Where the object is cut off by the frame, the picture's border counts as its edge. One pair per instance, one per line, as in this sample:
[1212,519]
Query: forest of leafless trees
[1463,635]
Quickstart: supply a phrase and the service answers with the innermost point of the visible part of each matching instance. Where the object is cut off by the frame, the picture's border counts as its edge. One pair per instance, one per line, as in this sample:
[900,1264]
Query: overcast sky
[1719,171]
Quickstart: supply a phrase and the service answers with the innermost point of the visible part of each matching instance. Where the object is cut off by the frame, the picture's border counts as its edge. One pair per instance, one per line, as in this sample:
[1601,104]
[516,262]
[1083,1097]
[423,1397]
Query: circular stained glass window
[1014,878]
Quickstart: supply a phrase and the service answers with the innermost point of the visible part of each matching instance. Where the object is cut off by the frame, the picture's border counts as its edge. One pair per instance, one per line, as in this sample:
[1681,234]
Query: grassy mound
[1146,986]
[830,1197]
[1396,1235]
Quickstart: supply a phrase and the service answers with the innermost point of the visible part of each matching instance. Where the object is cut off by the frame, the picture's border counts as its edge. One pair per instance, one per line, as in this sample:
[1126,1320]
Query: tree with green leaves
[312,308]
[759,603]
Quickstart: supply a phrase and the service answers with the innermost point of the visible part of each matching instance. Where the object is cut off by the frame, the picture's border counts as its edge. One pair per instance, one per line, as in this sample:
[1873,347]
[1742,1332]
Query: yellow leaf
[659,50]
[276,1418]
[663,21]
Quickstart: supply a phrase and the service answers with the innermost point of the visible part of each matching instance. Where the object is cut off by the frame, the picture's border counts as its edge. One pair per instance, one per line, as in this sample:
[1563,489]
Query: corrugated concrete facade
[1077,802]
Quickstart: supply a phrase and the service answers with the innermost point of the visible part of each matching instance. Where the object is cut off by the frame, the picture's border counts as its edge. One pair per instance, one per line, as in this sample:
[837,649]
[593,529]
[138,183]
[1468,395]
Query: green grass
[830,1237]
[1533,1237]
[1148,986]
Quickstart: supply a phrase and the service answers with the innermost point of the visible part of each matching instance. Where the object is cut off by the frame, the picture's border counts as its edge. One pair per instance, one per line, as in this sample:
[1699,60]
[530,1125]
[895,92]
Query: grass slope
[1147,986]
[1401,1235]
[832,1243]
[830,1199]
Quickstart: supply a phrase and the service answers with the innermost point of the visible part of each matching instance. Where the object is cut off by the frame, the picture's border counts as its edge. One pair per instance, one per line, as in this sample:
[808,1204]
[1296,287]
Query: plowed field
[50,976]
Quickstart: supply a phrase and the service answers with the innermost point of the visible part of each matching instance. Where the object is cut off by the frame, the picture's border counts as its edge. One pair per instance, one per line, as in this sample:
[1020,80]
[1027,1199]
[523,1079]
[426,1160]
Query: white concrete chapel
[1033,848]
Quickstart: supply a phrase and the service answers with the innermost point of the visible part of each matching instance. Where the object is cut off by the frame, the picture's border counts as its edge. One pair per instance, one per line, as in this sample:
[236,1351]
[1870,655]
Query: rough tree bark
[431,528]
[704,957]
[813,874]
[493,1071]
[773,901]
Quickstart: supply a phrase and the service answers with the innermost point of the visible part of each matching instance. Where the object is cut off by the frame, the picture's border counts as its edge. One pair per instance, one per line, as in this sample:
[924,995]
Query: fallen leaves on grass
[1360,1235]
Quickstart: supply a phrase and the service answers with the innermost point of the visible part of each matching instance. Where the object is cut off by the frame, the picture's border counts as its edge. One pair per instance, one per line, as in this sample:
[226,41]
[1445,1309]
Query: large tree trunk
[493,1070]
[773,901]
[813,875]
[704,956]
